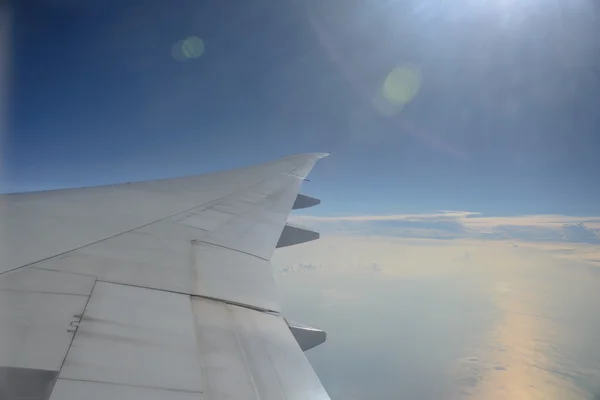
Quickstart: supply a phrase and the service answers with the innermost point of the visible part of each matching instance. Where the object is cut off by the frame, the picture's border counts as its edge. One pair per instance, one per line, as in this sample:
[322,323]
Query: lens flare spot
[190,48]
[193,47]
[398,89]
[401,85]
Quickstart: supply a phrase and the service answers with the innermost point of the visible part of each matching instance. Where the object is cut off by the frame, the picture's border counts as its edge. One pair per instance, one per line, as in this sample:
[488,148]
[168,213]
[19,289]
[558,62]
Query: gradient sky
[506,119]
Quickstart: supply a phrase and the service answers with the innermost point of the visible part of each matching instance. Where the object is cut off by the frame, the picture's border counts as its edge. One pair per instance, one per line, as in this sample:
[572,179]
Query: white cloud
[463,224]
[299,267]
[393,217]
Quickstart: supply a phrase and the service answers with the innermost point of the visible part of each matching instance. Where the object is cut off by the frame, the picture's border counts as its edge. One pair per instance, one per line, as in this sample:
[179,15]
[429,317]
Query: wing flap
[66,389]
[197,348]
[248,354]
[37,310]
[137,337]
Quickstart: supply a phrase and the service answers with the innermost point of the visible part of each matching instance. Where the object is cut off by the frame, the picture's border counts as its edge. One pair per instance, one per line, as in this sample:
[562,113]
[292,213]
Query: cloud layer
[458,319]
[465,224]
[451,304]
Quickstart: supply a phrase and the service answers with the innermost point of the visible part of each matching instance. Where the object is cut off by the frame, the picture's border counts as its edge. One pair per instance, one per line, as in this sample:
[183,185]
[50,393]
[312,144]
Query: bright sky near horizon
[489,108]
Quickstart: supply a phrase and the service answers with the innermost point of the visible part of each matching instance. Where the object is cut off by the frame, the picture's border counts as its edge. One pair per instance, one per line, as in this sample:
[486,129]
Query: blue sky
[505,121]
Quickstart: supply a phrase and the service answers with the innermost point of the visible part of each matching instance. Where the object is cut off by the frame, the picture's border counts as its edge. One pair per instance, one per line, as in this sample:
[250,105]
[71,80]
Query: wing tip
[317,155]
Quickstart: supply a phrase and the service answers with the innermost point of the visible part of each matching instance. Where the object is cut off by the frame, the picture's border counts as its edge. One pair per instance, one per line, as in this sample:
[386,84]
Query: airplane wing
[154,290]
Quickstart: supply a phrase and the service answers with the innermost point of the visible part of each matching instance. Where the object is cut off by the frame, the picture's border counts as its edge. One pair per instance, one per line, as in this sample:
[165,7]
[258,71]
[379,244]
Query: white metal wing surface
[154,290]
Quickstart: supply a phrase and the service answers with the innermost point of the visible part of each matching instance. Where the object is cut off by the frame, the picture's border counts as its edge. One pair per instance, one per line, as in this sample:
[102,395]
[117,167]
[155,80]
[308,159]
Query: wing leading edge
[158,289]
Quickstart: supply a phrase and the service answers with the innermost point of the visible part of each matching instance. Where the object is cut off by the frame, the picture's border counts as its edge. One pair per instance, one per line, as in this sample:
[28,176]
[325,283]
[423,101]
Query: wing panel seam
[130,385]
[74,334]
[246,364]
[216,299]
[229,248]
